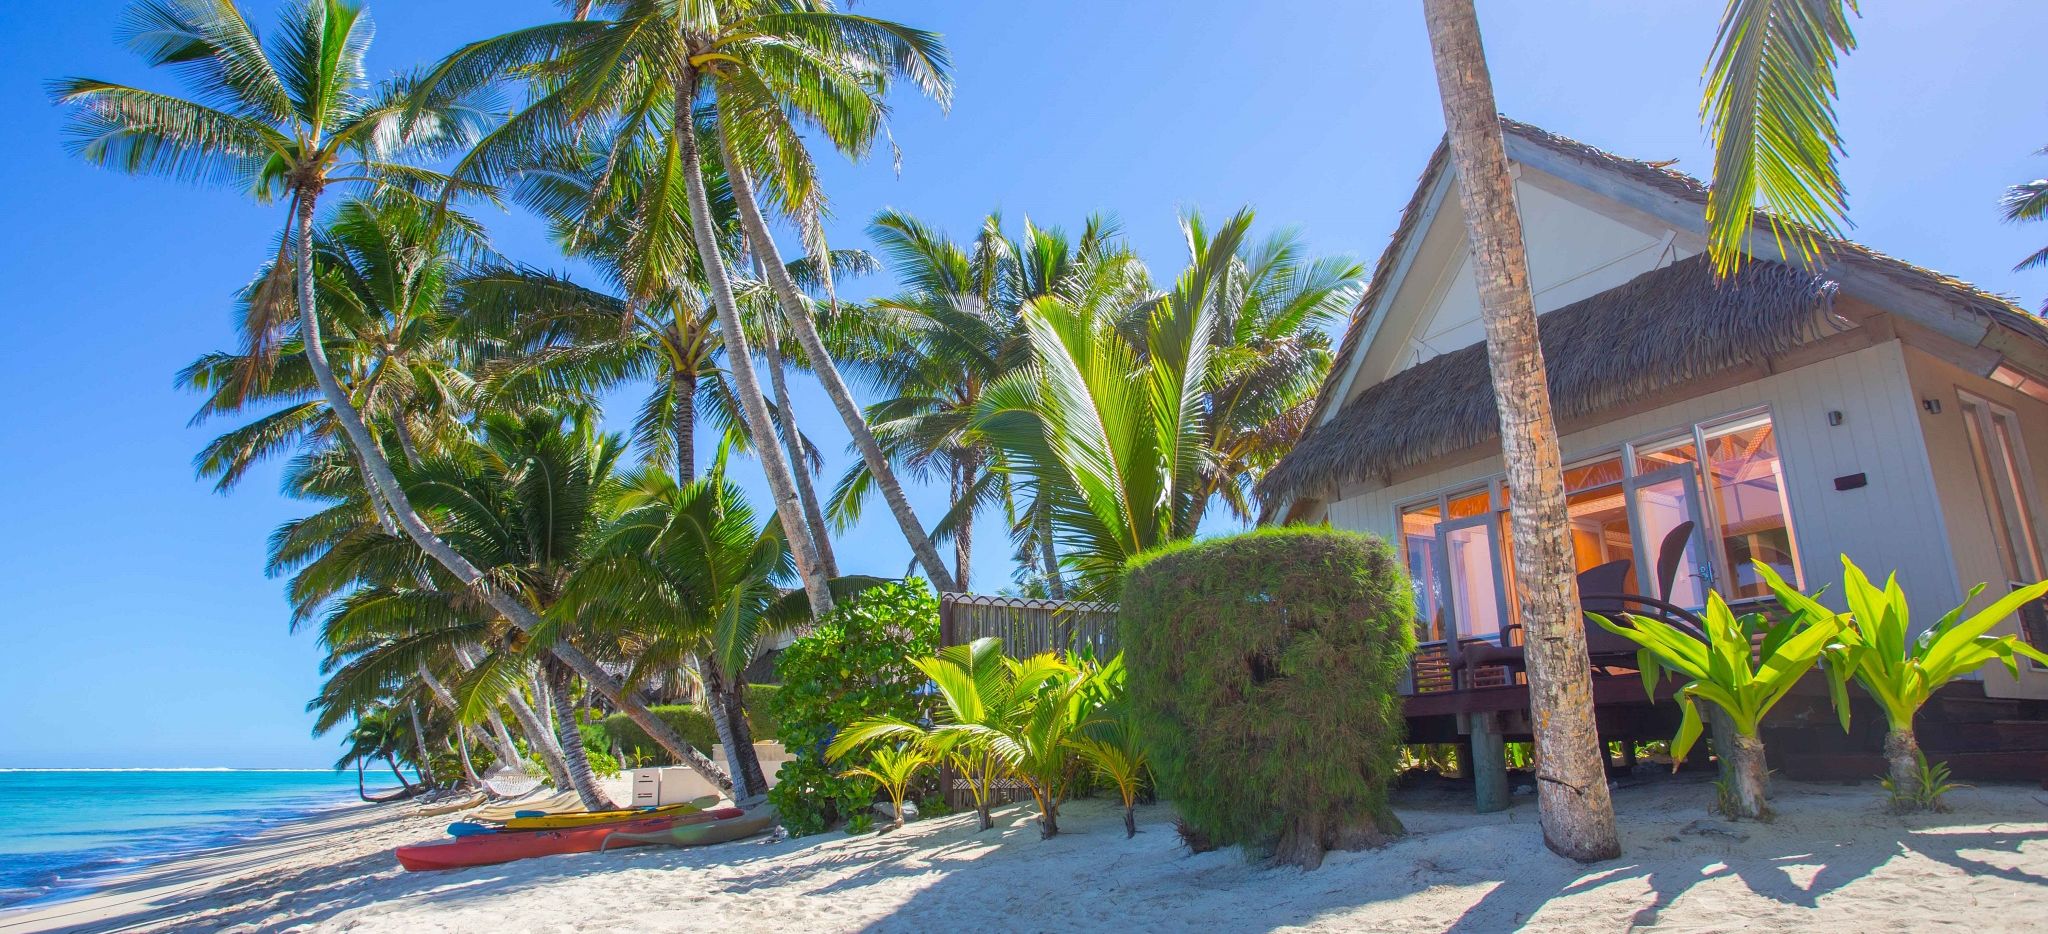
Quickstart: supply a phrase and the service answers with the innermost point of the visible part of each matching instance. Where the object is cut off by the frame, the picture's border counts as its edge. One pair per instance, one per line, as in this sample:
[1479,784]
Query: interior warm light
[2024,382]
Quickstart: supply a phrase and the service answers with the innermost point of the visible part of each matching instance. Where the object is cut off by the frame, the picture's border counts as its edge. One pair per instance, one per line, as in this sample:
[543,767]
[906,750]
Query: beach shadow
[1770,868]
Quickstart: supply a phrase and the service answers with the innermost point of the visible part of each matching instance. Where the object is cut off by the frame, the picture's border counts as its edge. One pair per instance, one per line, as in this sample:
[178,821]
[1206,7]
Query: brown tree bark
[740,360]
[793,440]
[1574,809]
[763,244]
[383,484]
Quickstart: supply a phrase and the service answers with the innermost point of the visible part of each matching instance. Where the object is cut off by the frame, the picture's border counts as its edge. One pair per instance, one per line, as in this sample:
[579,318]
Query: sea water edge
[66,832]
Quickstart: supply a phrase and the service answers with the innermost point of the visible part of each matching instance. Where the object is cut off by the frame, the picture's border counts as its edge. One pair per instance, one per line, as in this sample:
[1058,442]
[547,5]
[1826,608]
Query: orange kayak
[492,848]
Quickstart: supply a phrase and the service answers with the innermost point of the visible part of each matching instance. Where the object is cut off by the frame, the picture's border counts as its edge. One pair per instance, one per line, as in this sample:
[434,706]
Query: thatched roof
[1836,253]
[1840,258]
[1662,328]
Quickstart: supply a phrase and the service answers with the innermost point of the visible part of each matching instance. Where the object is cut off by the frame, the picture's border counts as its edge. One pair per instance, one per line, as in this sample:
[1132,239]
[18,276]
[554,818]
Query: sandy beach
[1832,861]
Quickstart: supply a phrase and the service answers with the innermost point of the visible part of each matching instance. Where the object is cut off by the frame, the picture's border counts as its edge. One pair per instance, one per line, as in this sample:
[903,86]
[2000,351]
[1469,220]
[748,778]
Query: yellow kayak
[587,818]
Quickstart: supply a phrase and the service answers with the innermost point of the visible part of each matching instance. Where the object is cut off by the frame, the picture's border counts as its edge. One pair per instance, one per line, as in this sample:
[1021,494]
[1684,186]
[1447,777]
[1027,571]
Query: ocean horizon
[64,832]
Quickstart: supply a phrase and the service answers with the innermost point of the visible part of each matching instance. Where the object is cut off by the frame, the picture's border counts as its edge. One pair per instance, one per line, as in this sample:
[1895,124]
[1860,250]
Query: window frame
[1494,484]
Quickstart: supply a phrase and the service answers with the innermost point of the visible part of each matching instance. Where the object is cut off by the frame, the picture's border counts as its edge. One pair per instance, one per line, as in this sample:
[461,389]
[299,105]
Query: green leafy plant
[999,717]
[853,666]
[1876,649]
[1263,670]
[1725,671]
[690,722]
[894,768]
[1928,791]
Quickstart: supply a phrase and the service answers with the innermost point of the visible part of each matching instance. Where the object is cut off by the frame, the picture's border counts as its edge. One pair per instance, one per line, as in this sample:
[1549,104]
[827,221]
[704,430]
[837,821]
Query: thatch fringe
[1660,329]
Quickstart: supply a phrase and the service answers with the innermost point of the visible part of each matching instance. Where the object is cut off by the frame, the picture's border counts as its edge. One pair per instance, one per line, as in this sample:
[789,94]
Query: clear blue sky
[139,629]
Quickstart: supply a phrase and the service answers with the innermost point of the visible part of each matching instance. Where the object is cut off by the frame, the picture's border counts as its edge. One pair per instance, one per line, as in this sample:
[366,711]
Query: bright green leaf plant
[1726,672]
[1875,648]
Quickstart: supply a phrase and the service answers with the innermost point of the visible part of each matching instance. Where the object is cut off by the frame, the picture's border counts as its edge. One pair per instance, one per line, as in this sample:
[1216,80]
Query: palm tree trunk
[469,775]
[743,734]
[724,719]
[580,776]
[1048,554]
[682,392]
[1748,779]
[497,737]
[963,533]
[740,360]
[1574,809]
[392,761]
[383,483]
[763,244]
[793,440]
[361,791]
[541,740]
[419,740]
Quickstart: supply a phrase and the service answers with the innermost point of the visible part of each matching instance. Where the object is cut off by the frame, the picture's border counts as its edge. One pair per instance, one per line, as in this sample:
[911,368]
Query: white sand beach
[1834,860]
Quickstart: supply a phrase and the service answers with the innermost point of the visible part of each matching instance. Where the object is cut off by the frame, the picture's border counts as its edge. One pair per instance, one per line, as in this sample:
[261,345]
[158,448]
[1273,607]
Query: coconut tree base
[1902,765]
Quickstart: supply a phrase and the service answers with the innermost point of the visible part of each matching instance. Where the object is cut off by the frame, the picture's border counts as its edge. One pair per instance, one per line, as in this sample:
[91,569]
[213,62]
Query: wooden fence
[1028,627]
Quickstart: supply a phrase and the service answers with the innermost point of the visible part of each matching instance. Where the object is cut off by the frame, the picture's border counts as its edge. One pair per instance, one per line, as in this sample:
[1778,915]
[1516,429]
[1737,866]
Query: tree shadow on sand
[1770,868]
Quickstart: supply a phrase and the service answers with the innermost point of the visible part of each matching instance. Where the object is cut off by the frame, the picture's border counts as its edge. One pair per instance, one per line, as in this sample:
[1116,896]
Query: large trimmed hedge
[1264,669]
[691,722]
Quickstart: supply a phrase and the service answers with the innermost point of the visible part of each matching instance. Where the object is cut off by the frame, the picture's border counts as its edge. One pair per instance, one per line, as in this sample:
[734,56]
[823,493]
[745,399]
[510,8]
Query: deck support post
[1489,763]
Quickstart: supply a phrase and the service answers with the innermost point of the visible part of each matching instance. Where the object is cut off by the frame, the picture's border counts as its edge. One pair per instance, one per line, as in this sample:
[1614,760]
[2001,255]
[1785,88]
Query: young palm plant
[1732,672]
[1876,648]
[1110,744]
[894,768]
[1108,429]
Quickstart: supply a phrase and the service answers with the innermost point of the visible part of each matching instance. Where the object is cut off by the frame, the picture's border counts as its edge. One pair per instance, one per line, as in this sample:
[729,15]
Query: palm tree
[293,118]
[688,571]
[1108,419]
[936,348]
[1575,812]
[1769,108]
[2023,203]
[1270,348]
[383,268]
[759,71]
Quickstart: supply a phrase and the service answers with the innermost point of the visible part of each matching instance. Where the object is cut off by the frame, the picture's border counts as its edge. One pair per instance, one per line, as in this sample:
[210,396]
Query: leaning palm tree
[291,118]
[689,572]
[759,72]
[1576,814]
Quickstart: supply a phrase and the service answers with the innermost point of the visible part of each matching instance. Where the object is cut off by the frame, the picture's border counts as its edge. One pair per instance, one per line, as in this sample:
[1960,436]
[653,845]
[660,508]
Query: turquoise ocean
[63,831]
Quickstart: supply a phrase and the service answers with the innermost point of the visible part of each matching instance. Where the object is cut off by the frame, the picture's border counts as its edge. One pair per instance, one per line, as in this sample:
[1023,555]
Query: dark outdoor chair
[1602,591]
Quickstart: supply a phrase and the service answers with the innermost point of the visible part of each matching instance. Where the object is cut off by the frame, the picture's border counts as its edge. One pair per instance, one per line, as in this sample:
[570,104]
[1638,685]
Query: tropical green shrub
[1874,647]
[602,763]
[854,665]
[1734,673]
[1263,671]
[691,722]
[760,711]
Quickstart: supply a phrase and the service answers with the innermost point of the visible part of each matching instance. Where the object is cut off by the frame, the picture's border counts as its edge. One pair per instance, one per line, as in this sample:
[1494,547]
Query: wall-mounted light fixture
[1933,406]
[1835,417]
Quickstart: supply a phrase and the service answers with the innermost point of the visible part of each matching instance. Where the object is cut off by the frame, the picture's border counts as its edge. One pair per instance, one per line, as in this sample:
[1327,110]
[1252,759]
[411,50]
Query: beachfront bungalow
[1866,406]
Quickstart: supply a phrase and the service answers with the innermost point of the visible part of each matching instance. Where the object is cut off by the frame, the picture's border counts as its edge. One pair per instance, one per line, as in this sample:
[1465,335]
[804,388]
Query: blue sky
[139,628]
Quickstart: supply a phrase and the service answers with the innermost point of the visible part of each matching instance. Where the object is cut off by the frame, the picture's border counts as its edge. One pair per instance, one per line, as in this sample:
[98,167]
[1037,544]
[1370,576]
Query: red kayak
[486,849]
